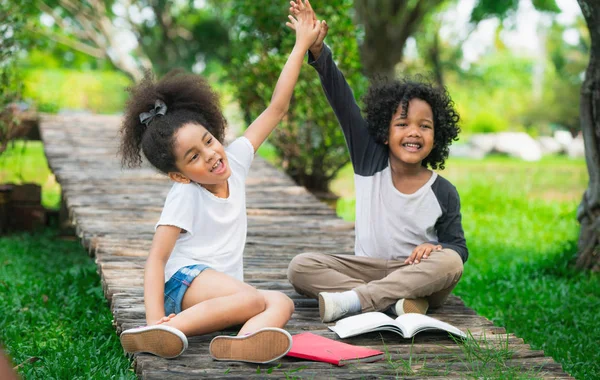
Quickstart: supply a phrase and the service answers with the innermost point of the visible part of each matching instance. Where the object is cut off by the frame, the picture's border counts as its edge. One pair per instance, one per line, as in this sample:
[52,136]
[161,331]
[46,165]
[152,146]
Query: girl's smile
[219,167]
[200,158]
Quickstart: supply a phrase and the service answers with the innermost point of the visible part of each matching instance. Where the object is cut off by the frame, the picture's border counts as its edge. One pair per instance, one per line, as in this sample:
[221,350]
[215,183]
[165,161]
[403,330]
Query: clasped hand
[304,23]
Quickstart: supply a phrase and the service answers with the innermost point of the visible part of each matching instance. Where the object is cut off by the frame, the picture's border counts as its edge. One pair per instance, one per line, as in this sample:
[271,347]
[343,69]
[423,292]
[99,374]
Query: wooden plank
[115,210]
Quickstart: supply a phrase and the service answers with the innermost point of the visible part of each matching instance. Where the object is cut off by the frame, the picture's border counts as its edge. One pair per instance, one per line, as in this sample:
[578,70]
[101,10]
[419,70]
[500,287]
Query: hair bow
[160,108]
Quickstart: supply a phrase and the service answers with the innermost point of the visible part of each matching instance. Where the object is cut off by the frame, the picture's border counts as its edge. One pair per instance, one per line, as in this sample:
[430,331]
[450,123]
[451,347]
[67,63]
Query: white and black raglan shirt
[389,224]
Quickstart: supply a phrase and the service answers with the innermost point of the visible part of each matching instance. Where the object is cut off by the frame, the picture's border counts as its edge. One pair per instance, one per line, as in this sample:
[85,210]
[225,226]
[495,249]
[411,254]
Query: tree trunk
[388,24]
[588,212]
[434,57]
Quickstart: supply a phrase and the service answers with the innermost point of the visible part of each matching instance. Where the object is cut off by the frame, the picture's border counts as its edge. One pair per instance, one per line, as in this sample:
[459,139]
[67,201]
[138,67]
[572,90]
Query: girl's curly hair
[382,100]
[189,99]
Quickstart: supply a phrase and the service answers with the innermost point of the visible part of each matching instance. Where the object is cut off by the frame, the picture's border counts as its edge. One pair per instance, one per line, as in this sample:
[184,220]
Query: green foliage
[53,309]
[309,141]
[486,122]
[492,95]
[12,23]
[169,34]
[501,9]
[184,36]
[563,79]
[25,162]
[97,91]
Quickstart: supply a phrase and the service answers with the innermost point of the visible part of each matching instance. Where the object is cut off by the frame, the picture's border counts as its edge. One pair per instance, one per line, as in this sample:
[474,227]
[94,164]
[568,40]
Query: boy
[410,246]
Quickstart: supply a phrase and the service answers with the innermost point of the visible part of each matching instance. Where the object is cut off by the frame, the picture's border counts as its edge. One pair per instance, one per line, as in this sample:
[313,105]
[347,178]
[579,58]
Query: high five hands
[302,21]
[298,7]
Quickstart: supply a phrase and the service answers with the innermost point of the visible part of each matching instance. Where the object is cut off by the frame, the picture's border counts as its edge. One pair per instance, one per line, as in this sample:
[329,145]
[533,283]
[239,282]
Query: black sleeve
[449,226]
[368,157]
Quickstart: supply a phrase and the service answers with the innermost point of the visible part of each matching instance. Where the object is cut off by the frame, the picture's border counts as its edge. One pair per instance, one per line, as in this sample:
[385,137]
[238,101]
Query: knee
[299,266]
[452,263]
[282,303]
[287,305]
[254,302]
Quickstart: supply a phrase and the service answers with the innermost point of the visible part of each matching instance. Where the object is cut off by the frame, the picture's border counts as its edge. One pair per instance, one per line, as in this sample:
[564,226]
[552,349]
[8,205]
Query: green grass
[54,311]
[25,162]
[520,225]
[53,89]
[519,220]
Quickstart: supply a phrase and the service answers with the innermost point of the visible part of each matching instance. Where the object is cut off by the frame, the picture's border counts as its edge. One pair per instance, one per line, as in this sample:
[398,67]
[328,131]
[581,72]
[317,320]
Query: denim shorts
[178,284]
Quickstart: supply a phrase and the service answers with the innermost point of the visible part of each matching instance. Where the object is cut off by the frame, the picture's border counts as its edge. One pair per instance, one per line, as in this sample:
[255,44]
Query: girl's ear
[178,177]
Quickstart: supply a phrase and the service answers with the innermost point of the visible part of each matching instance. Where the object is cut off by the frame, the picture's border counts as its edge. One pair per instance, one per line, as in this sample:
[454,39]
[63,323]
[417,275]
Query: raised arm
[306,33]
[367,155]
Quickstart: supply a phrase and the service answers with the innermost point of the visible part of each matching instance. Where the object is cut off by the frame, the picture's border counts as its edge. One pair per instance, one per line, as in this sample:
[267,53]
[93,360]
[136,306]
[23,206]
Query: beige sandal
[263,346]
[161,340]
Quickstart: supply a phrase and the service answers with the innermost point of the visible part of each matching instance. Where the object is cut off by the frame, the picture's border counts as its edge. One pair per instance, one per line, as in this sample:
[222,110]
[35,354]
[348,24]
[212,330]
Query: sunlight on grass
[521,230]
[25,162]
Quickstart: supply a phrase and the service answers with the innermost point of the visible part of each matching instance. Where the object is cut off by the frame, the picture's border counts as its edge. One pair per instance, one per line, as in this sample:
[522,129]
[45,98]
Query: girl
[193,282]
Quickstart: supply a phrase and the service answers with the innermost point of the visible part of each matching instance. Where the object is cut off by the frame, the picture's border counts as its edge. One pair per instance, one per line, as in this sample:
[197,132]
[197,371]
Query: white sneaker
[329,309]
[161,340]
[417,305]
[262,346]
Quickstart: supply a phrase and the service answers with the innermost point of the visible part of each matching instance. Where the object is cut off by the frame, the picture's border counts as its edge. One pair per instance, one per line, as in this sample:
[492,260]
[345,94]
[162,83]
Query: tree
[309,142]
[387,26]
[588,212]
[559,102]
[12,22]
[168,33]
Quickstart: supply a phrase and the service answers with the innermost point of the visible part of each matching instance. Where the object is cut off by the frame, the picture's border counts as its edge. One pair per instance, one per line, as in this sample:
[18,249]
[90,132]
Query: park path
[114,212]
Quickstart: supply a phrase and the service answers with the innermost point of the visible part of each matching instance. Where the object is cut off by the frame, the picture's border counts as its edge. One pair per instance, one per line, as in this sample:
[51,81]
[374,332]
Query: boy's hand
[422,251]
[317,45]
[307,29]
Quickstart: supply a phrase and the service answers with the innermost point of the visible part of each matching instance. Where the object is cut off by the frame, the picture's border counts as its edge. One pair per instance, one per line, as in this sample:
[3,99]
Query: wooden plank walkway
[115,210]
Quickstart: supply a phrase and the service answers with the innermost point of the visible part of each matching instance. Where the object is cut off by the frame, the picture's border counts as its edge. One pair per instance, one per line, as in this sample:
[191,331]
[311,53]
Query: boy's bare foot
[263,346]
[161,340]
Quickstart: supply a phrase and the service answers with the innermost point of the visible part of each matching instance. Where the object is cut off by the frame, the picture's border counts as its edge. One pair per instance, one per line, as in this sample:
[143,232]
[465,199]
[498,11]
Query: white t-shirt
[215,227]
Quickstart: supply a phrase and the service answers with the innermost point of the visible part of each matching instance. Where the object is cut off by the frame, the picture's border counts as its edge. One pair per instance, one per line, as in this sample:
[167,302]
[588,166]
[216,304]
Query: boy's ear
[386,142]
[178,177]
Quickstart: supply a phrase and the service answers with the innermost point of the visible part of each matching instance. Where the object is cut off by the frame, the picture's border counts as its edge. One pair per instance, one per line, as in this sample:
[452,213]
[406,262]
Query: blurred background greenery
[514,66]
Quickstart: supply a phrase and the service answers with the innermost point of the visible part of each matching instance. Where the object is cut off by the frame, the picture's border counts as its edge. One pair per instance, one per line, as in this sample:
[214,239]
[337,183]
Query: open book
[406,325]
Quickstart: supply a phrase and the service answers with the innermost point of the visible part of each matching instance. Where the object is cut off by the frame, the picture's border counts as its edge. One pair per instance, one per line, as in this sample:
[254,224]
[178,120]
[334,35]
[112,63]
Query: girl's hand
[422,251]
[317,46]
[163,320]
[307,29]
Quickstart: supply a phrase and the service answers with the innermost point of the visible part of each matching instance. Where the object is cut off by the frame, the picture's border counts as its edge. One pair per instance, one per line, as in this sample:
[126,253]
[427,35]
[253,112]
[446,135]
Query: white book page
[413,323]
[362,323]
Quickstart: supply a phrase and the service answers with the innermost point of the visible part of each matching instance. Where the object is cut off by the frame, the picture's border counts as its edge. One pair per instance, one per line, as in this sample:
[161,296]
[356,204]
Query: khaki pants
[378,282]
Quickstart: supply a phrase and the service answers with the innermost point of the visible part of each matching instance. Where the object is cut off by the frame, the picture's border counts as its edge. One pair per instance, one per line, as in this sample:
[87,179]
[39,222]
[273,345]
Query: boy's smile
[410,139]
[200,158]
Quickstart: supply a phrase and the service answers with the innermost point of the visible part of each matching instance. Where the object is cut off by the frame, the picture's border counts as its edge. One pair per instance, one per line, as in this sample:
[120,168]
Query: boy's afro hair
[383,98]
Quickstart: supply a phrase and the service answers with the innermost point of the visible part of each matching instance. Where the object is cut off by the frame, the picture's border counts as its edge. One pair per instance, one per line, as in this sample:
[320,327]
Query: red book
[317,348]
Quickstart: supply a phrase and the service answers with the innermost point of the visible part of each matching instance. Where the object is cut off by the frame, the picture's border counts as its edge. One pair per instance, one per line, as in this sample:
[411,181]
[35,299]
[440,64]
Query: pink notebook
[317,348]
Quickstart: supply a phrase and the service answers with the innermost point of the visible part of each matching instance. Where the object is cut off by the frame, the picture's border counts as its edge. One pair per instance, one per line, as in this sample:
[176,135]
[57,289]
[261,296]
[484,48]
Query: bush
[487,122]
[12,23]
[309,142]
